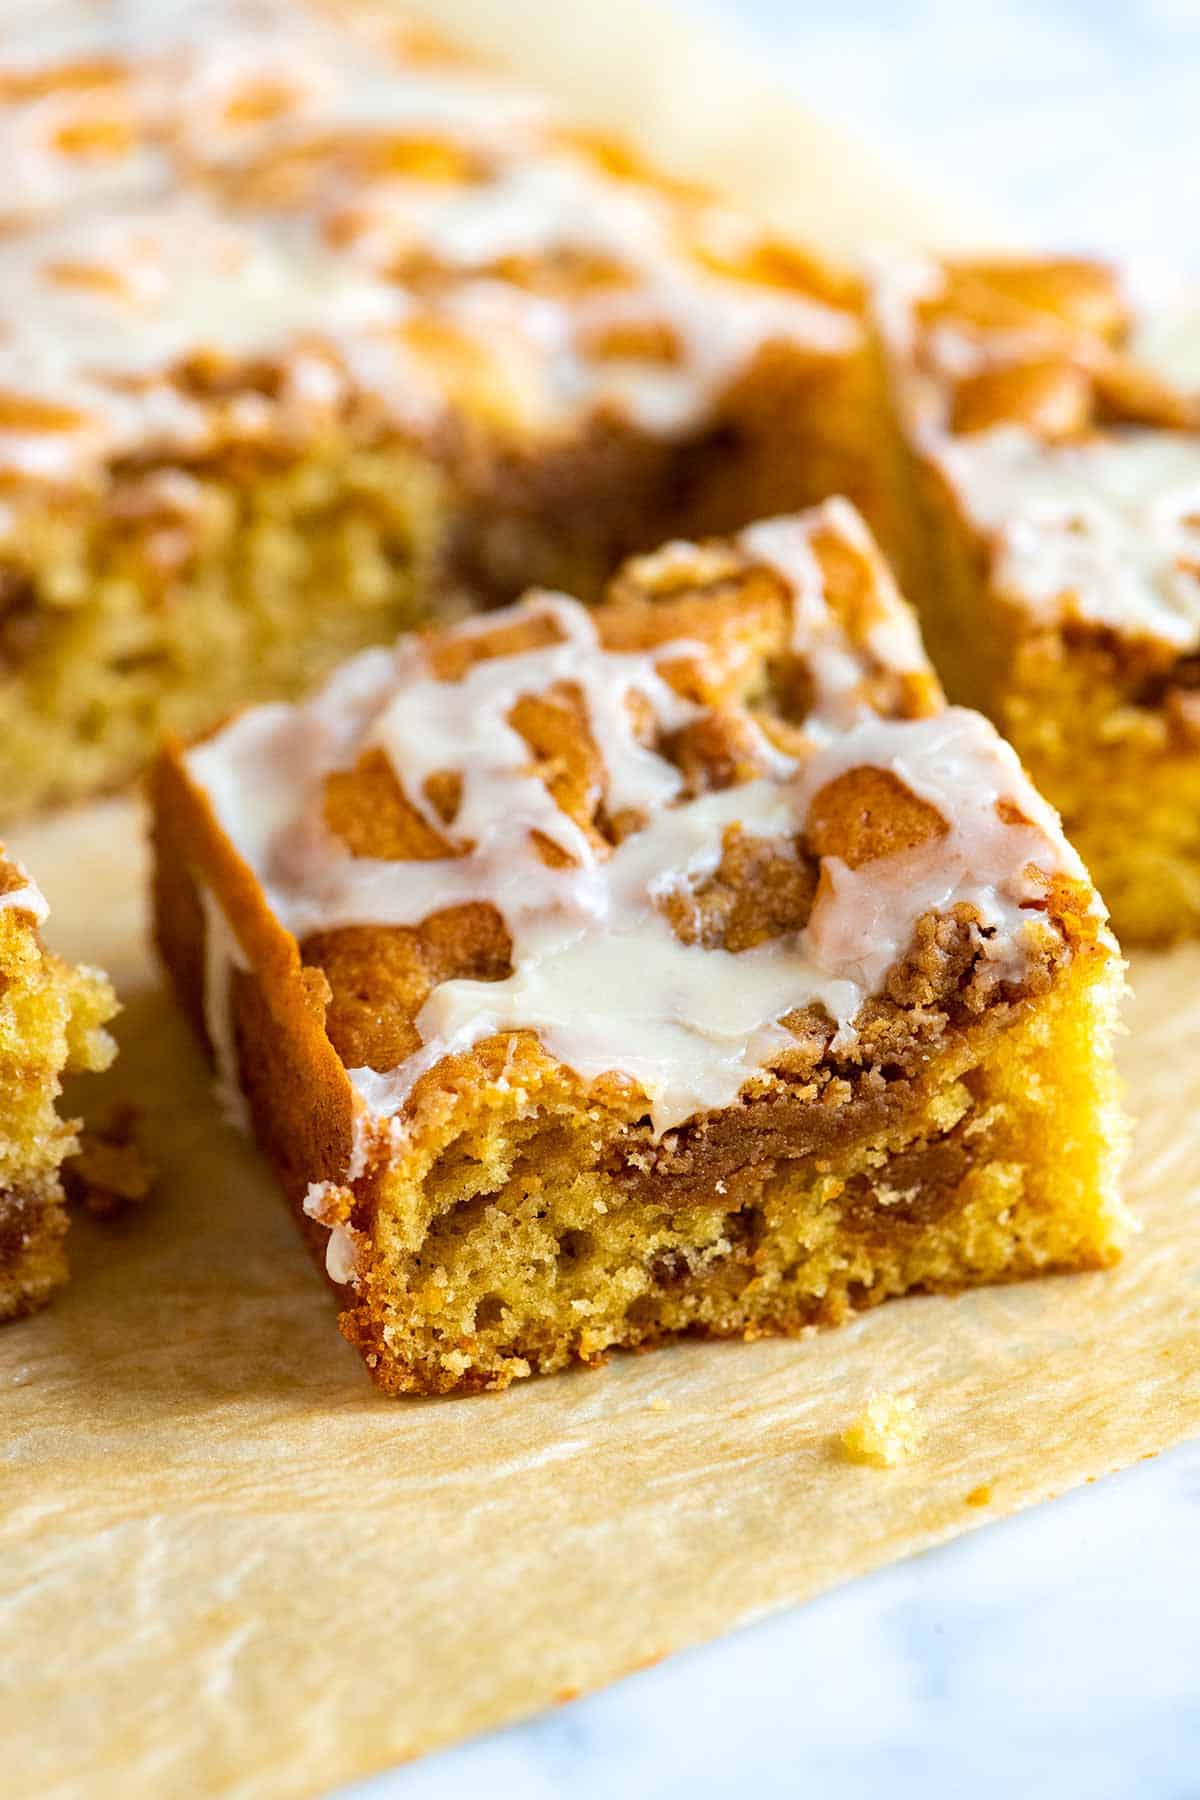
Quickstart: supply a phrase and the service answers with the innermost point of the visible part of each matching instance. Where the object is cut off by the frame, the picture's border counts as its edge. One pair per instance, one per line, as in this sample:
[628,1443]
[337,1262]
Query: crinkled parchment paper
[228,1567]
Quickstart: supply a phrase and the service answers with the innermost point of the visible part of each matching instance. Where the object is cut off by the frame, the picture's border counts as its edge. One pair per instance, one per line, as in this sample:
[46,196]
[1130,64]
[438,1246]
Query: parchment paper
[228,1567]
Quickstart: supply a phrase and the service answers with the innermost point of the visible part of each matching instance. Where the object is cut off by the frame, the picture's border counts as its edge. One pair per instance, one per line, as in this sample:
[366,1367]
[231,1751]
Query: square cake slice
[681,965]
[312,327]
[52,1020]
[1052,429]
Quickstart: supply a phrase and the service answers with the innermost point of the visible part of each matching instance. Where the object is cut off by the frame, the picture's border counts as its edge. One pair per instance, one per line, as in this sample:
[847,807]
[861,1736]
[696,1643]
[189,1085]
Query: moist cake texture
[310,325]
[685,965]
[1053,432]
[52,1020]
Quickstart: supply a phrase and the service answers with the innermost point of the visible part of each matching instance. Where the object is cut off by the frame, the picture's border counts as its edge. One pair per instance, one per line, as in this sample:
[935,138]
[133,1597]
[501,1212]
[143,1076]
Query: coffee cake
[683,965]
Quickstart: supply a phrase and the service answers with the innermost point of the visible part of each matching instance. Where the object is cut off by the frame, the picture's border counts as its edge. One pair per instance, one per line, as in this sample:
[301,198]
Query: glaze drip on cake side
[890,636]
[598,972]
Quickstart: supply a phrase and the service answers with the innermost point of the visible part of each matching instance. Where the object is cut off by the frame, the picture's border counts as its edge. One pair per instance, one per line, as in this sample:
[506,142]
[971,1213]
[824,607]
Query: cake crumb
[110,1171]
[980,1496]
[886,1433]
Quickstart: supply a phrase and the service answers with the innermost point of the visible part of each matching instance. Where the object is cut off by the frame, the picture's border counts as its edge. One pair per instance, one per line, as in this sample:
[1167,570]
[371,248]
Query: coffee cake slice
[683,965]
[1052,431]
[52,1020]
[312,327]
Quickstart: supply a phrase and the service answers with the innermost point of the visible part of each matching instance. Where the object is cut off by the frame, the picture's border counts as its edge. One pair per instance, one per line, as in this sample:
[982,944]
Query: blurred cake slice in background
[1051,429]
[685,964]
[311,326]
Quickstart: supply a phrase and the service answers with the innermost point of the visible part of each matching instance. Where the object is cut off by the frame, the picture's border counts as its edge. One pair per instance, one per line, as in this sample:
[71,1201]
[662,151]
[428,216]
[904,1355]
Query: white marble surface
[1069,123]
[1056,1654]
[1053,1656]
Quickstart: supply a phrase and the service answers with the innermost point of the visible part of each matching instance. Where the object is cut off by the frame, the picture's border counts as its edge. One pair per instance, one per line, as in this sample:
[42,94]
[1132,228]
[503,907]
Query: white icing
[27,898]
[1107,530]
[598,972]
[890,640]
[139,252]
[184,280]
[180,73]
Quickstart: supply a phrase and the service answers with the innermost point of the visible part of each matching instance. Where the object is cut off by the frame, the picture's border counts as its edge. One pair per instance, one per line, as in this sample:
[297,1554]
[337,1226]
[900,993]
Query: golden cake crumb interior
[887,1432]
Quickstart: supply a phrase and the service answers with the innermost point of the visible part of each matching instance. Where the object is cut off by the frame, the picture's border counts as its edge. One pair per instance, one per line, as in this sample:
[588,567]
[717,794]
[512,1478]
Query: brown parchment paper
[228,1568]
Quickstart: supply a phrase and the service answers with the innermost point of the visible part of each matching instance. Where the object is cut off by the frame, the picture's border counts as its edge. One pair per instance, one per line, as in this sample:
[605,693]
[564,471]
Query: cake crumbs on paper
[887,1432]
[110,1171]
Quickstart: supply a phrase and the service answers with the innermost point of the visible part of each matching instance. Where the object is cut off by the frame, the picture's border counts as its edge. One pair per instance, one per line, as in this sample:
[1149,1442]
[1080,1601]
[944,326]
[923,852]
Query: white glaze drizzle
[136,256]
[598,972]
[1107,530]
[177,83]
[891,639]
[340,1253]
[175,278]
